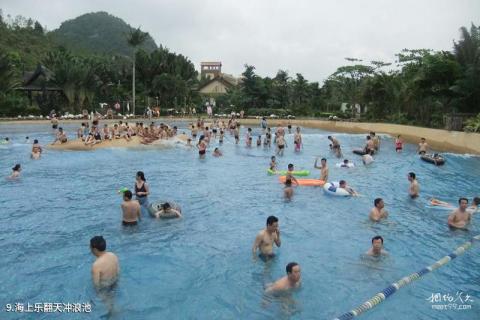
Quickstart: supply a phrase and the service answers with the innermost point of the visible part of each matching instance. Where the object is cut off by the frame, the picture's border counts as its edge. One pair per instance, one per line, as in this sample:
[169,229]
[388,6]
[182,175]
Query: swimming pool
[201,267]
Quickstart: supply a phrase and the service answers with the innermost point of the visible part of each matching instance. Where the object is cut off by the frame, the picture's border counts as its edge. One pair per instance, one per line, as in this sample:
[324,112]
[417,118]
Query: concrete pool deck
[442,140]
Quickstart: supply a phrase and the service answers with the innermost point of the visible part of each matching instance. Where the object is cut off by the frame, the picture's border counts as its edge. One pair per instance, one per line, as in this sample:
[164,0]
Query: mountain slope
[98,32]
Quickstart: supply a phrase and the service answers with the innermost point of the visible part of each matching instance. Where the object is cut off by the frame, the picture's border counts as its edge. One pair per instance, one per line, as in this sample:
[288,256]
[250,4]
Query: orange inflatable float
[305,182]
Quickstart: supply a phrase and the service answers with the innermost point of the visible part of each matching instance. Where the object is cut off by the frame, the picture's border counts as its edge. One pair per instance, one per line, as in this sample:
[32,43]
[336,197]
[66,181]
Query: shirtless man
[376,140]
[460,217]
[202,147]
[323,169]
[281,144]
[167,212]
[422,146]
[377,247]
[290,175]
[131,210]
[291,281]
[236,133]
[378,212]
[36,150]
[370,145]
[105,269]
[61,136]
[335,143]
[414,188]
[297,139]
[265,238]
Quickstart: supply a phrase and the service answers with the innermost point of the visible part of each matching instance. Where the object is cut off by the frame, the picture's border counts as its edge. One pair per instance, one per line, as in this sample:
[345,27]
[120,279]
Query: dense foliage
[95,58]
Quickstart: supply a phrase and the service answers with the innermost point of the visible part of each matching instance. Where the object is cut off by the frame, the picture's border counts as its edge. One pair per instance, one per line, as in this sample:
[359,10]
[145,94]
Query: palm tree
[135,38]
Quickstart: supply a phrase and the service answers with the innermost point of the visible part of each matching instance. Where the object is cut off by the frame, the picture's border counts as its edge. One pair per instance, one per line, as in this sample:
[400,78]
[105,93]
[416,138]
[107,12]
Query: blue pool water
[201,267]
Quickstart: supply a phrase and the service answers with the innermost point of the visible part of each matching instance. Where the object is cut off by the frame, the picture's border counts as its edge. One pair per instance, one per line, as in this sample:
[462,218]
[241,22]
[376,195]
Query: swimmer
[422,147]
[323,169]
[290,175]
[289,126]
[259,141]
[460,217]
[398,144]
[189,142]
[167,212]
[248,137]
[288,191]
[16,172]
[267,142]
[105,269]
[414,189]
[6,140]
[475,203]
[142,190]
[369,146]
[267,237]
[36,150]
[378,212]
[61,136]
[131,210]
[297,139]
[343,184]
[335,142]
[377,247]
[217,153]
[236,133]
[376,141]
[291,281]
[368,158]
[281,145]
[27,139]
[273,163]
[345,164]
[202,147]
[220,140]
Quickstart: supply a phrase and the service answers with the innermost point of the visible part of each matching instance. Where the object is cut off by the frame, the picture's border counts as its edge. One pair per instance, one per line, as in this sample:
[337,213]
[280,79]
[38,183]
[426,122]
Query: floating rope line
[394,287]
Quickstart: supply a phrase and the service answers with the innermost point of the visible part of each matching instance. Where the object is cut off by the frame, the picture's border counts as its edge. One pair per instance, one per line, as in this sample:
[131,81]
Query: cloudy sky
[308,37]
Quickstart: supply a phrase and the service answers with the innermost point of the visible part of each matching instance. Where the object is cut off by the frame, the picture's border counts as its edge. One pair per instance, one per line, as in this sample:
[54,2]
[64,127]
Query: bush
[14,104]
[472,124]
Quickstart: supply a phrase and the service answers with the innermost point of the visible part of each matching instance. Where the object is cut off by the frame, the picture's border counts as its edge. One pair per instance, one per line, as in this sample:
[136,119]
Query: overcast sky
[308,37]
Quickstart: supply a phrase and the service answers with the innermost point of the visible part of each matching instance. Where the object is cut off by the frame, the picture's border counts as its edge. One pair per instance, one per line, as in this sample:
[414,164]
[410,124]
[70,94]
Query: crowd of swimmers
[105,269]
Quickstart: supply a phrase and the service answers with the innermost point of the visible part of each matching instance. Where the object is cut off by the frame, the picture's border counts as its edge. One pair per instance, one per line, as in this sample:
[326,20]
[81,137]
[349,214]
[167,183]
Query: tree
[135,39]
[38,28]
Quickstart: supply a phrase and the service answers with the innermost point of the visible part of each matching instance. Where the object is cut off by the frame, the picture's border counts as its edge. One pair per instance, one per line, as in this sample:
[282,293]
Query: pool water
[201,266]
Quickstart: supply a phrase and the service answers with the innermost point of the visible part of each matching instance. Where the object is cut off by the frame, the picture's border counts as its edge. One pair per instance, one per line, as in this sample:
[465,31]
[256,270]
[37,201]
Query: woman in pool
[297,139]
[16,172]
[141,189]
[217,153]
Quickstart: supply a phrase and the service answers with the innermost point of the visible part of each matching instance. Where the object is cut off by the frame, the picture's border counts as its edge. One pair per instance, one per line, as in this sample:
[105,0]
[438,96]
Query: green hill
[97,32]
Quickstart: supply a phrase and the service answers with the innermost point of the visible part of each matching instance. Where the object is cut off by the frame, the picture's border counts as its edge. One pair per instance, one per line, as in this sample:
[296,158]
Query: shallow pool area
[201,266]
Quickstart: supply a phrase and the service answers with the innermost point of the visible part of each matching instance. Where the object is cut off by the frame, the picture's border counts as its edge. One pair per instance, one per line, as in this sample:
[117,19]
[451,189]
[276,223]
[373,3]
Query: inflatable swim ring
[430,158]
[333,188]
[360,152]
[284,172]
[305,182]
[342,165]
[156,206]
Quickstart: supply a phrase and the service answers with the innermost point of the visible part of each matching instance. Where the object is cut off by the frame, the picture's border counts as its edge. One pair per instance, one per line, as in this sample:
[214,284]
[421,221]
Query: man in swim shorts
[369,146]
[377,247]
[290,173]
[422,147]
[281,144]
[131,210]
[105,269]
[414,188]
[267,237]
[378,212]
[291,281]
[323,169]
[61,136]
[460,217]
